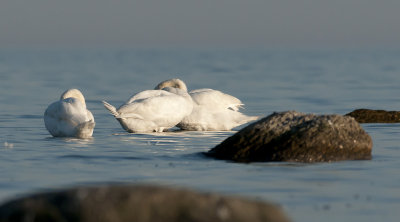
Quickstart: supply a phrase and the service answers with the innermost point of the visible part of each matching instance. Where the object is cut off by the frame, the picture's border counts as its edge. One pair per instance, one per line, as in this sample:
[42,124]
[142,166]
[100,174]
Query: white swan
[212,109]
[152,110]
[69,117]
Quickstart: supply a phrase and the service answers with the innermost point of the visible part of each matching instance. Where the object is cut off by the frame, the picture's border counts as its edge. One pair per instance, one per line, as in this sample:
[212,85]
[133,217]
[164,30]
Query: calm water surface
[266,81]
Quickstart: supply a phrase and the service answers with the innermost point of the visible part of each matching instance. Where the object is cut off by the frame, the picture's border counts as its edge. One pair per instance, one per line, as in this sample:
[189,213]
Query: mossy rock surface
[297,137]
[375,116]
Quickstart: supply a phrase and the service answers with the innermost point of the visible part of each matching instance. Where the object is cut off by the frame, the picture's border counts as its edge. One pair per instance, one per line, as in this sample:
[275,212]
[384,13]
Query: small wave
[30,116]
[91,157]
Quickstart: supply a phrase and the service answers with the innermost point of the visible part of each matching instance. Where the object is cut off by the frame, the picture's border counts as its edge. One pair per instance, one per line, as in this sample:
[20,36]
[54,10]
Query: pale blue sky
[201,23]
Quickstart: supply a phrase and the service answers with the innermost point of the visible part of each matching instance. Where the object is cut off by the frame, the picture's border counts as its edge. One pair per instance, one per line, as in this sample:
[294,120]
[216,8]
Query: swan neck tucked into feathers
[175,83]
[73,93]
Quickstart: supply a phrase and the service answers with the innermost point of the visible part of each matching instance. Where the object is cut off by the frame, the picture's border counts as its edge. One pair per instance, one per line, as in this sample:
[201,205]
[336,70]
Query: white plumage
[69,116]
[152,110]
[215,99]
[212,109]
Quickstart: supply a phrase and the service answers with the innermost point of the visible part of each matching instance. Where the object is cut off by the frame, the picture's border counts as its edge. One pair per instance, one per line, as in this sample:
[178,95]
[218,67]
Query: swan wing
[152,110]
[215,99]
[163,110]
[202,119]
[147,94]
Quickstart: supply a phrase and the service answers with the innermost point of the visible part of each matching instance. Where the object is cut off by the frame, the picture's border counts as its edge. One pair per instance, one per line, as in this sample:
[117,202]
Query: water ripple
[100,157]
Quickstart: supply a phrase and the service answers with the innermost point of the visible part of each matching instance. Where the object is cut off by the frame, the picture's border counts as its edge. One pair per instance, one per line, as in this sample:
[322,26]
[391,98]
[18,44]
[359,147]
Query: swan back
[174,83]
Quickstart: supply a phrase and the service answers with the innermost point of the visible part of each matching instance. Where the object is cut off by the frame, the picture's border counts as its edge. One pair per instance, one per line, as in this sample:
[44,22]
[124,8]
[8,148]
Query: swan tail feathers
[110,108]
[252,118]
[245,119]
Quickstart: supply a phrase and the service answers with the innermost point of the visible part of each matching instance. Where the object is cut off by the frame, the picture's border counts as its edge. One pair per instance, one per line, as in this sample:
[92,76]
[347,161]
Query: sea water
[311,81]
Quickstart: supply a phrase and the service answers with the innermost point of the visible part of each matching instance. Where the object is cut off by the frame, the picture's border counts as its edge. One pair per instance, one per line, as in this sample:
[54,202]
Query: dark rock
[137,203]
[297,137]
[375,116]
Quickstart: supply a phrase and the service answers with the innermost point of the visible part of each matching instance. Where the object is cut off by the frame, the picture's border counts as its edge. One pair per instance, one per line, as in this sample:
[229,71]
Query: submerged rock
[138,203]
[297,137]
[375,116]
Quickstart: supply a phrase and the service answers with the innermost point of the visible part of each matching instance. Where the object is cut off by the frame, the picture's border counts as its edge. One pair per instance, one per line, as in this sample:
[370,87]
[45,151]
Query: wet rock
[375,116]
[138,203]
[297,137]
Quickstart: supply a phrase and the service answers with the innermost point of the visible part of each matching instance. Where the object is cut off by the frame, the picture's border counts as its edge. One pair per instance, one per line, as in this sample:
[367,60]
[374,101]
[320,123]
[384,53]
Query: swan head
[73,93]
[174,83]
